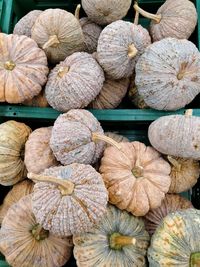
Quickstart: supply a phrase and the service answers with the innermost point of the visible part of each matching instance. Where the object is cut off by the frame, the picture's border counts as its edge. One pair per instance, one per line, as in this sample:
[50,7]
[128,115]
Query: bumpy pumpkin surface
[38,101]
[176,242]
[119,46]
[59,33]
[168,74]
[71,86]
[13,136]
[171,203]
[119,240]
[104,12]
[136,176]
[134,96]
[23,68]
[74,201]
[25,243]
[38,154]
[25,24]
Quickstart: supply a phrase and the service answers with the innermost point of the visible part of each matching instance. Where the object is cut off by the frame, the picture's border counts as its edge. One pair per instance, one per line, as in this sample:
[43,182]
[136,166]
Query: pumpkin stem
[118,241]
[66,187]
[137,171]
[195,259]
[9,65]
[77,12]
[136,19]
[62,71]
[189,112]
[132,51]
[174,162]
[156,18]
[52,42]
[97,136]
[39,233]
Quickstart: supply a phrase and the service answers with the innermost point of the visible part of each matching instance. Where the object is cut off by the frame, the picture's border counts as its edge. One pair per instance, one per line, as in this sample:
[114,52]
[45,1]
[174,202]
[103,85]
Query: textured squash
[119,240]
[38,101]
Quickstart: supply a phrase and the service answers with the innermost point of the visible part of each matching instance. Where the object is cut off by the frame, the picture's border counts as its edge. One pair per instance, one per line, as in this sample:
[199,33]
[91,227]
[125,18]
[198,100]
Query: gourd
[170,203]
[104,12]
[59,33]
[136,176]
[70,86]
[25,24]
[176,135]
[38,154]
[13,136]
[69,199]
[23,69]
[18,191]
[25,243]
[37,101]
[176,242]
[176,19]
[119,240]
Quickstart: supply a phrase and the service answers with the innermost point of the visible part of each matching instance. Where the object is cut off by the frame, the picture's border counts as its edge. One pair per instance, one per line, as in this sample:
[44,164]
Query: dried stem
[174,162]
[118,241]
[156,18]
[77,12]
[136,19]
[97,136]
[189,112]
[62,71]
[52,42]
[132,51]
[9,65]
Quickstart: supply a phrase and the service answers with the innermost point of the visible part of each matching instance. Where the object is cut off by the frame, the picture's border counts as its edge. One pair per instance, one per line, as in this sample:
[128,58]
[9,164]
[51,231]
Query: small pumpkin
[176,19]
[37,101]
[23,68]
[25,243]
[13,136]
[168,74]
[176,240]
[136,176]
[59,33]
[119,240]
[69,199]
[170,203]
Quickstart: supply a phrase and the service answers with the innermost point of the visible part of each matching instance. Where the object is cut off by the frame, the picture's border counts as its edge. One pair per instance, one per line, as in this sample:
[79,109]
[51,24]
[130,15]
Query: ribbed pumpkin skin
[28,75]
[134,96]
[75,213]
[175,239]
[104,12]
[113,48]
[38,101]
[92,248]
[13,136]
[168,74]
[22,249]
[76,87]
[71,138]
[170,203]
[136,193]
[67,30]
[25,24]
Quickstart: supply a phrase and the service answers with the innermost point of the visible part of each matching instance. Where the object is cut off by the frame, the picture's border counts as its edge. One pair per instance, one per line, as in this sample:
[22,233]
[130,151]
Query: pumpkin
[25,24]
[168,74]
[136,176]
[18,191]
[59,33]
[38,154]
[119,46]
[176,19]
[37,101]
[119,240]
[171,203]
[25,243]
[104,12]
[71,86]
[23,68]
[13,136]
[176,240]
[176,135]
[69,199]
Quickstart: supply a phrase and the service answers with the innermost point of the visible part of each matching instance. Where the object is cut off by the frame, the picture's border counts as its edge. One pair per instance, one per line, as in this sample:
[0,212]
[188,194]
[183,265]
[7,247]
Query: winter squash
[25,24]
[168,74]
[13,136]
[176,135]
[104,12]
[70,86]
[171,203]
[119,240]
[25,243]
[69,199]
[23,69]
[176,19]
[38,101]
[38,154]
[59,33]
[136,176]
[176,242]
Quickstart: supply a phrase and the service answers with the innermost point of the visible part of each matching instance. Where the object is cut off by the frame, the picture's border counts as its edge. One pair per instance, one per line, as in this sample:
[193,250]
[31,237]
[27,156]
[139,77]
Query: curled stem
[52,42]
[174,162]
[97,136]
[156,18]
[136,19]
[77,12]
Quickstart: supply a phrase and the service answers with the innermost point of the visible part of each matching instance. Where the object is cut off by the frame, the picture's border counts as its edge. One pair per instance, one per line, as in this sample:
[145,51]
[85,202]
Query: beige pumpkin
[38,101]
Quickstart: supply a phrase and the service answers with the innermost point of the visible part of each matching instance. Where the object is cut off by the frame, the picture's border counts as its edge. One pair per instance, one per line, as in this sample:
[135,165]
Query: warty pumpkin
[119,240]
[37,101]
[136,176]
[23,69]
[69,199]
[25,243]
